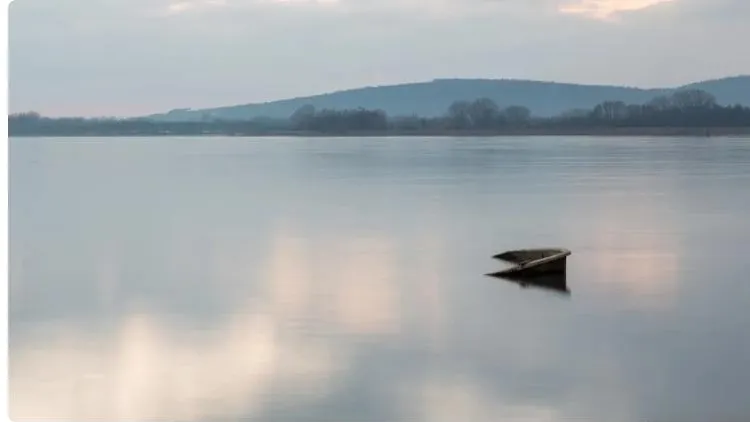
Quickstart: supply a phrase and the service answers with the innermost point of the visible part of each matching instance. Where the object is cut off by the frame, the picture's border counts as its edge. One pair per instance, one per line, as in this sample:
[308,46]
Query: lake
[333,279]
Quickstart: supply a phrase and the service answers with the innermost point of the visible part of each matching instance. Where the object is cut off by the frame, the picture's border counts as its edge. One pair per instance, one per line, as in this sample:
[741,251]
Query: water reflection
[148,369]
[287,340]
[635,235]
[214,279]
[552,282]
[445,399]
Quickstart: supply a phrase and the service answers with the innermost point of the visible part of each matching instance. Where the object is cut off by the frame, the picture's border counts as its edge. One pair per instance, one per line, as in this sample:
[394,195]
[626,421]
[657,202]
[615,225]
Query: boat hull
[531,262]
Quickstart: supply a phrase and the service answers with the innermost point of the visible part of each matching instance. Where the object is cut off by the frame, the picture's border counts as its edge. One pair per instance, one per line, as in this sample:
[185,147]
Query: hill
[433,98]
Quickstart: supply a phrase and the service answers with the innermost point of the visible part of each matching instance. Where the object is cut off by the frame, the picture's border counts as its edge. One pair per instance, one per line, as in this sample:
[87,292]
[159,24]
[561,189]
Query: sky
[136,57]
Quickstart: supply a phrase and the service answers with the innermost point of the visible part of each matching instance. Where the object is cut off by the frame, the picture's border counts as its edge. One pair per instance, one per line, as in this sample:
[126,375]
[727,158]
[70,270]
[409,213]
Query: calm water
[342,279]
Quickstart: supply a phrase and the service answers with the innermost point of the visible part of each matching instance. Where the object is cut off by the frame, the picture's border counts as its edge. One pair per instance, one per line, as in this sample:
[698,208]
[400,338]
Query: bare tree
[517,115]
[484,113]
[660,103]
[611,110]
[693,98]
[459,114]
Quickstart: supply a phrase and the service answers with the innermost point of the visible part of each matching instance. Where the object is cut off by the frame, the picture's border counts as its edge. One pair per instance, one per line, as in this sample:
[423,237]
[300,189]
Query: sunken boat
[538,268]
[534,262]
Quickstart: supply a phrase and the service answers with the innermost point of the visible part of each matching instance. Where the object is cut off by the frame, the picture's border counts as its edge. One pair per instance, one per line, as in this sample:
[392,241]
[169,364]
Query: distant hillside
[431,99]
[728,91]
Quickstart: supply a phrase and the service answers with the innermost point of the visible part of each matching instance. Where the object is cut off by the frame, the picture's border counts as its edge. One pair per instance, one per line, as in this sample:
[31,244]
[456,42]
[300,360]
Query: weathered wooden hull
[531,262]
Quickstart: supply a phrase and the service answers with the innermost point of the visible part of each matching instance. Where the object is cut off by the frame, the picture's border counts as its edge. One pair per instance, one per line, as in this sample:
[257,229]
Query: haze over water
[195,279]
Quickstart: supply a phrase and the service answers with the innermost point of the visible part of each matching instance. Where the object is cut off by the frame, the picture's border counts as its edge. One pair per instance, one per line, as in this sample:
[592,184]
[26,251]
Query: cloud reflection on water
[149,370]
[217,298]
[630,241]
[285,341]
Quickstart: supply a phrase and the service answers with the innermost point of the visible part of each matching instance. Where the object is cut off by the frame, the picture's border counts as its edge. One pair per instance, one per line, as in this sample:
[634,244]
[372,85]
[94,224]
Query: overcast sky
[131,57]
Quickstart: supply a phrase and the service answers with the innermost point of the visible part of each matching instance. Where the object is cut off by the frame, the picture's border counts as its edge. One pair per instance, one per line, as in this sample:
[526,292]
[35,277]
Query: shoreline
[702,132]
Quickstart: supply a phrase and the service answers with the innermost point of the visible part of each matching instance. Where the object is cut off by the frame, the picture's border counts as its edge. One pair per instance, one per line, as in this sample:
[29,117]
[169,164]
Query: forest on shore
[686,112]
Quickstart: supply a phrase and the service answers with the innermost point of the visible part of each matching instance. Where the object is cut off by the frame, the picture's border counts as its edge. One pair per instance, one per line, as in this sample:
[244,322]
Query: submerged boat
[531,262]
[540,268]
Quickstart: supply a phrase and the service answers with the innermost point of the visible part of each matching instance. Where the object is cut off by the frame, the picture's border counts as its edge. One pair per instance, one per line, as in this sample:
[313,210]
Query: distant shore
[600,131]
[541,131]
[688,113]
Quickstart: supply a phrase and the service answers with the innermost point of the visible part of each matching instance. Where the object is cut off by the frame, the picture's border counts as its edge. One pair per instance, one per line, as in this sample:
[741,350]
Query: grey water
[334,279]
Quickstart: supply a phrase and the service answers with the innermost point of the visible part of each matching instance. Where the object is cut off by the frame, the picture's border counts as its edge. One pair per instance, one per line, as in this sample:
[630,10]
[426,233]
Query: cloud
[607,9]
[182,6]
[131,57]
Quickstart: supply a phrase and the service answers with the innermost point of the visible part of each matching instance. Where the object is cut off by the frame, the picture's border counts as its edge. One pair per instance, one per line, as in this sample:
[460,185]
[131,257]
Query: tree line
[683,109]
[687,108]
[481,114]
[33,124]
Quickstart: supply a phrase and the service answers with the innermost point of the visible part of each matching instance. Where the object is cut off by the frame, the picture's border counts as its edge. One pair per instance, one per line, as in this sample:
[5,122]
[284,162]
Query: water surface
[194,279]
